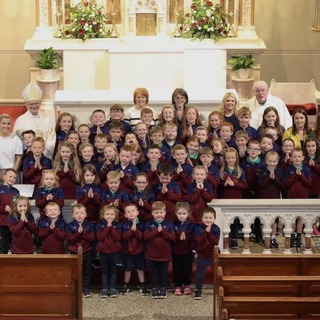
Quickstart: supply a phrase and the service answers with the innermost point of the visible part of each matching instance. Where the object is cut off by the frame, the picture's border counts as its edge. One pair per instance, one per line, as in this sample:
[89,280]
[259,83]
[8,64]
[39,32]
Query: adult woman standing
[11,146]
[179,101]
[300,128]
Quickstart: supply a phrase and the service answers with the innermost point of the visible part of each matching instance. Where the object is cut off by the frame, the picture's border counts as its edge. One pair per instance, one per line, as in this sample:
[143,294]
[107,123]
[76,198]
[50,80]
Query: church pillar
[44,20]
[246,28]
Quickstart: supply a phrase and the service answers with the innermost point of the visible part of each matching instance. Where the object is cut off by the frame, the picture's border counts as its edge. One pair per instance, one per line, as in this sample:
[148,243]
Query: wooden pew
[39,286]
[258,286]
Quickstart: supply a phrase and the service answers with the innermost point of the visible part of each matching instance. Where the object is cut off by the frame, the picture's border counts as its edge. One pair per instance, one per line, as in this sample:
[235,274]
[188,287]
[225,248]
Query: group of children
[151,242]
[145,172]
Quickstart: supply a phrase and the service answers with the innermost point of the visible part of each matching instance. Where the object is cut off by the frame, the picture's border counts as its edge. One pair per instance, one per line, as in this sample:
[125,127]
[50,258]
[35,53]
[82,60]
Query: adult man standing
[263,99]
[36,120]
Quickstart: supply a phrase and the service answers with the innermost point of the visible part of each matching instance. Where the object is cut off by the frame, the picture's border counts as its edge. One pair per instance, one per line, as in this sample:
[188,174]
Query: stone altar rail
[267,210]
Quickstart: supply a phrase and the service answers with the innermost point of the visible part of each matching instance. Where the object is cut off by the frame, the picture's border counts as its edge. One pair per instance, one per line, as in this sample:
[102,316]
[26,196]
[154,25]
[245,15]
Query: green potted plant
[47,61]
[242,63]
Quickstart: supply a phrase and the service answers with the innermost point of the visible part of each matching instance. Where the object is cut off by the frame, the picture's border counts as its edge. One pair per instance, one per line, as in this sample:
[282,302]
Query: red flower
[99,13]
[80,32]
[90,22]
[201,22]
[67,32]
[209,4]
[193,25]
[86,4]
[82,22]
[193,7]
[67,21]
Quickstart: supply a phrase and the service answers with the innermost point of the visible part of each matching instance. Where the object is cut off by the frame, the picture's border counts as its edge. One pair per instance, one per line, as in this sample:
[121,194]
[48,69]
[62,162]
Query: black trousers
[158,273]
[6,238]
[182,269]
[86,269]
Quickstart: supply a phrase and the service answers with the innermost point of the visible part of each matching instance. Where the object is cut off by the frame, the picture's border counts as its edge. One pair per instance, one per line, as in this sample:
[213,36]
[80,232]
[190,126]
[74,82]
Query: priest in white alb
[264,99]
[34,119]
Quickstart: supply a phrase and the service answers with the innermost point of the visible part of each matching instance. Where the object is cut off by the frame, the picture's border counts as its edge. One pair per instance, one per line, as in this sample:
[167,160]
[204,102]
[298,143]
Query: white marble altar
[160,63]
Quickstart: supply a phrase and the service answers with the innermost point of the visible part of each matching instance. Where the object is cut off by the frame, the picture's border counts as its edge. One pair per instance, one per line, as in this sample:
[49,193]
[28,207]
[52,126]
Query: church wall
[293,51]
[17,23]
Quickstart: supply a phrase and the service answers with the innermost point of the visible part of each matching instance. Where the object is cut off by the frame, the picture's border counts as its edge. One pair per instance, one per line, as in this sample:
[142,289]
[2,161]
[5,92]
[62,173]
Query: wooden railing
[258,286]
[41,286]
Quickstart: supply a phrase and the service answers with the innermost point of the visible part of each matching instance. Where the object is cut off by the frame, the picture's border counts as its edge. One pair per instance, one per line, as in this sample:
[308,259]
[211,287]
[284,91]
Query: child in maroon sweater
[7,194]
[80,233]
[166,190]
[182,255]
[109,236]
[22,226]
[133,248]
[159,235]
[52,230]
[200,192]
[35,163]
[297,179]
[207,236]
[48,191]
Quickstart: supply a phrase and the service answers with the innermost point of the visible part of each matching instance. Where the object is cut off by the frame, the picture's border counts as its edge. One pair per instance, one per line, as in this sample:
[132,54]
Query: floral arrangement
[86,21]
[205,21]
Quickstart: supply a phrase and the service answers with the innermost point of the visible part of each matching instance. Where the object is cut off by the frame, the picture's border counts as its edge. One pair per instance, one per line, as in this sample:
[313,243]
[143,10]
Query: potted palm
[47,61]
[242,63]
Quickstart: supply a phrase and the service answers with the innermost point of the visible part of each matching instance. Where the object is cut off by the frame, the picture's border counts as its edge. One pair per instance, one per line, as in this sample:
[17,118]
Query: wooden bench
[38,286]
[258,286]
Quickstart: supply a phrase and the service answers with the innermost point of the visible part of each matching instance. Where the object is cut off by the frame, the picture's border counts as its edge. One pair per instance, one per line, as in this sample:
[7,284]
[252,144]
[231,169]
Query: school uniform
[93,131]
[108,197]
[158,250]
[92,204]
[130,171]
[41,199]
[7,194]
[314,189]
[22,234]
[213,178]
[184,178]
[67,182]
[32,175]
[182,255]
[52,239]
[199,199]
[148,198]
[268,188]
[85,240]
[109,246]
[232,192]
[170,198]
[251,170]
[297,185]
[205,241]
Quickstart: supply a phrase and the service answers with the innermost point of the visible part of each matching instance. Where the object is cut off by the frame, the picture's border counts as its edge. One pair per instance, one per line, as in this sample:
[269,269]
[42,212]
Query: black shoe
[233,244]
[274,243]
[96,263]
[298,241]
[124,290]
[197,294]
[143,290]
[293,241]
[163,293]
[155,293]
[86,293]
[261,242]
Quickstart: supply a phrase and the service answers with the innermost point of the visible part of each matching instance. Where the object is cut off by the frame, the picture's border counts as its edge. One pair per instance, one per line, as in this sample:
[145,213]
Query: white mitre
[32,92]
